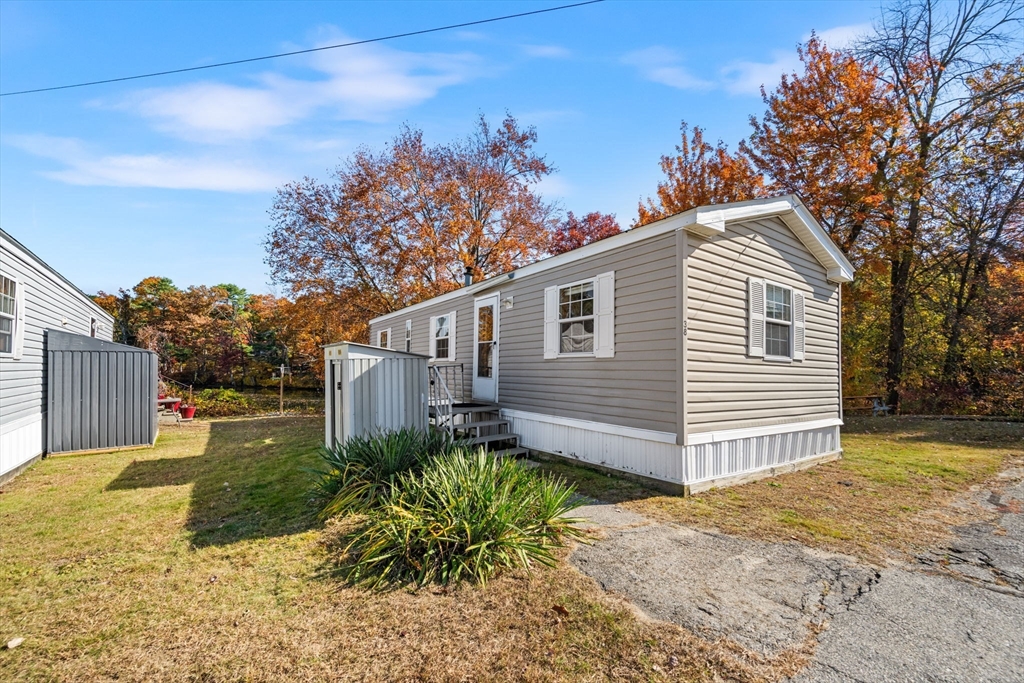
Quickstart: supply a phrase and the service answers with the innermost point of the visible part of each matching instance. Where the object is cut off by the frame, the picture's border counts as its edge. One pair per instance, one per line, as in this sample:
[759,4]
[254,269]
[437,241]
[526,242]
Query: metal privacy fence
[100,395]
[370,390]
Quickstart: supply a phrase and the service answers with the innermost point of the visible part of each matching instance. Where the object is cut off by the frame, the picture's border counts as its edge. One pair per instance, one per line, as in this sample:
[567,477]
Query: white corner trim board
[602,427]
[768,430]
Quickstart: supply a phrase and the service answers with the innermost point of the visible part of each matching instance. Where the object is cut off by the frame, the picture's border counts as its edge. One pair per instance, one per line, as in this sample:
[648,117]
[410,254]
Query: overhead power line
[302,52]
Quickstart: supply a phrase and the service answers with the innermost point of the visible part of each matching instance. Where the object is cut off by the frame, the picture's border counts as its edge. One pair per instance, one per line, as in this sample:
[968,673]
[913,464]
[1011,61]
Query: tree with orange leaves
[701,174]
[404,224]
[832,134]
[573,232]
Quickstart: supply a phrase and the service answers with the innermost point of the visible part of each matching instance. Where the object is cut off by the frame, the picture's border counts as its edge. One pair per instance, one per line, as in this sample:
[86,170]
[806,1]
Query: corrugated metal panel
[100,394]
[628,453]
[707,461]
[373,390]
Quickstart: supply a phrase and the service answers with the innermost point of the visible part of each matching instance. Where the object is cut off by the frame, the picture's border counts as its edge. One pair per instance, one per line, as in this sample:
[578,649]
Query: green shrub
[222,402]
[467,515]
[359,472]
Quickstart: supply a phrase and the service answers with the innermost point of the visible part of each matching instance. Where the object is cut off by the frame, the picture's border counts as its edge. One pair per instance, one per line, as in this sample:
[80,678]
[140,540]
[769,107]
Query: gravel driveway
[953,614]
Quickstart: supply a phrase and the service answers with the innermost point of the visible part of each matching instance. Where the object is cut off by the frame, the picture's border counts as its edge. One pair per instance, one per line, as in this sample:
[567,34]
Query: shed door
[485,349]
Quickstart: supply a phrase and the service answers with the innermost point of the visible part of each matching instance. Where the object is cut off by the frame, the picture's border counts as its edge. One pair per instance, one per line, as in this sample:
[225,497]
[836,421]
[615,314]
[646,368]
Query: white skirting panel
[726,458]
[639,451]
[713,456]
[20,442]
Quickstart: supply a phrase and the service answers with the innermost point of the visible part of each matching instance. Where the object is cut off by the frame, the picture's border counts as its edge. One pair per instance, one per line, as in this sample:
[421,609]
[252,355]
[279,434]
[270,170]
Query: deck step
[495,437]
[481,423]
[510,452]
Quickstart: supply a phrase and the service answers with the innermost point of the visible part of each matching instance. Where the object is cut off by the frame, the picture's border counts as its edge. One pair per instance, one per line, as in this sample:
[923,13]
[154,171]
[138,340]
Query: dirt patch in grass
[891,492]
[201,559]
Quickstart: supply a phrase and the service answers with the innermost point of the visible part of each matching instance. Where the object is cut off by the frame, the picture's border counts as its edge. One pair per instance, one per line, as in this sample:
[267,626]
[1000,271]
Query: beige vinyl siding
[48,301]
[463,307]
[635,388]
[727,389]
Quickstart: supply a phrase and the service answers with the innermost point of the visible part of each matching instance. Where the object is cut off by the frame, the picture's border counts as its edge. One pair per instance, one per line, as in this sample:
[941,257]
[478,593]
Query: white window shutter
[451,336]
[604,326]
[19,319]
[755,317]
[433,336]
[799,327]
[551,322]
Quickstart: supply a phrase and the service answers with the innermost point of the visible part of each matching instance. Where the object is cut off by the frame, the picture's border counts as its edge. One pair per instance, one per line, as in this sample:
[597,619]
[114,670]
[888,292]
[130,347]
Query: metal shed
[371,389]
[100,395]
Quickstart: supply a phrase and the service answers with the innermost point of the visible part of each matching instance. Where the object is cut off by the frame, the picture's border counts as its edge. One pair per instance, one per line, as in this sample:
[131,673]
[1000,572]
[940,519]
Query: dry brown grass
[891,492]
[145,566]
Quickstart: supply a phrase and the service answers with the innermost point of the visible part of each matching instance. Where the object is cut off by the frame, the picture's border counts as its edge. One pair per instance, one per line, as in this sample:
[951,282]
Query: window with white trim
[778,321]
[384,338]
[579,318]
[8,312]
[776,325]
[442,337]
[576,318]
[408,336]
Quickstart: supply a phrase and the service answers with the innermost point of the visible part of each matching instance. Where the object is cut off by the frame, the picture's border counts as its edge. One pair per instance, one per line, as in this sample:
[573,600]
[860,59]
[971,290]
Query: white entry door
[485,349]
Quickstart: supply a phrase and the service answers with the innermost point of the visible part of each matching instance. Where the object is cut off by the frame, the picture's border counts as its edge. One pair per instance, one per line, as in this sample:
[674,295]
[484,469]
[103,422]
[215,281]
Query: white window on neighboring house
[442,337]
[408,336]
[776,325]
[384,338]
[11,317]
[579,318]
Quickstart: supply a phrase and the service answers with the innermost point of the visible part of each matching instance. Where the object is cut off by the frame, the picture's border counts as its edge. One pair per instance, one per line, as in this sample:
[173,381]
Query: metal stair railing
[454,376]
[442,401]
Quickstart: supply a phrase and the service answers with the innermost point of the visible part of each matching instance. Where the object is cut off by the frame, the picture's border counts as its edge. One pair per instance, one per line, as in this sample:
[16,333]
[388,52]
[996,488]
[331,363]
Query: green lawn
[202,559]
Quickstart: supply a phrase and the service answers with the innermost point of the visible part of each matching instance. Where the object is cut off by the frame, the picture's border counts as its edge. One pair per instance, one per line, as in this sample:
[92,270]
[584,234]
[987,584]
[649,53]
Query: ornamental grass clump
[357,473]
[465,516]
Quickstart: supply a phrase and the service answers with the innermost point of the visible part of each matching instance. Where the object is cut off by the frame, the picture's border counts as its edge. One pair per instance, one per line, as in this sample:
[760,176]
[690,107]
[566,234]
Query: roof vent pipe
[469,275]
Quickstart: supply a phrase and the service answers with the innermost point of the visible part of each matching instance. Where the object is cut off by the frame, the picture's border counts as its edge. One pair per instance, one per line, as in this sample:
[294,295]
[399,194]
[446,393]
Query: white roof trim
[706,221]
[29,257]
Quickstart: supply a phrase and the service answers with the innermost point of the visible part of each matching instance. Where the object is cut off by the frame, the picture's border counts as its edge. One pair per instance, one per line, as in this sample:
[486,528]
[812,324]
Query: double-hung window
[442,337]
[408,336]
[776,326]
[579,318]
[576,318]
[384,339]
[778,321]
[8,319]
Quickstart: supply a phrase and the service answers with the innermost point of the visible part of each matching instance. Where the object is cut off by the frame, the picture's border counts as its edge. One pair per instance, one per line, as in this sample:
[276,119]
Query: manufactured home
[64,386]
[699,350]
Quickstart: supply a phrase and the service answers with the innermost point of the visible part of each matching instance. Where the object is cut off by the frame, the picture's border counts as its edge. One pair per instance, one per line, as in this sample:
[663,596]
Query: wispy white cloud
[362,83]
[746,78]
[839,37]
[664,65]
[741,77]
[546,51]
[85,166]
[553,187]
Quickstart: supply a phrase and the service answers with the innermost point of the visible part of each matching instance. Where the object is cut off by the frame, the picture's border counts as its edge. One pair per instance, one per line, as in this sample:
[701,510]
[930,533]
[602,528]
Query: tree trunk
[899,297]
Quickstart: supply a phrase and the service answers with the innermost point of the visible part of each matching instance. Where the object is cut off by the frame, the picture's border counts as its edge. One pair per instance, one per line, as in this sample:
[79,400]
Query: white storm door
[485,349]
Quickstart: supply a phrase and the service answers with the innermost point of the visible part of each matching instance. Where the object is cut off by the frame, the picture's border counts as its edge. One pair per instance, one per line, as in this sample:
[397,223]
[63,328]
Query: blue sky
[173,176]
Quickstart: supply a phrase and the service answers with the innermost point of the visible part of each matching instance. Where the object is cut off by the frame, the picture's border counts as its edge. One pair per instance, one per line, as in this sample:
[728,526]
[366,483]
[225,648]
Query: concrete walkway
[955,614]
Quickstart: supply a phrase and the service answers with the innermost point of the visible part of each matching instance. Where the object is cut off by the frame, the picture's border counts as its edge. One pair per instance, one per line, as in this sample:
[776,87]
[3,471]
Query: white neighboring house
[33,298]
[699,350]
